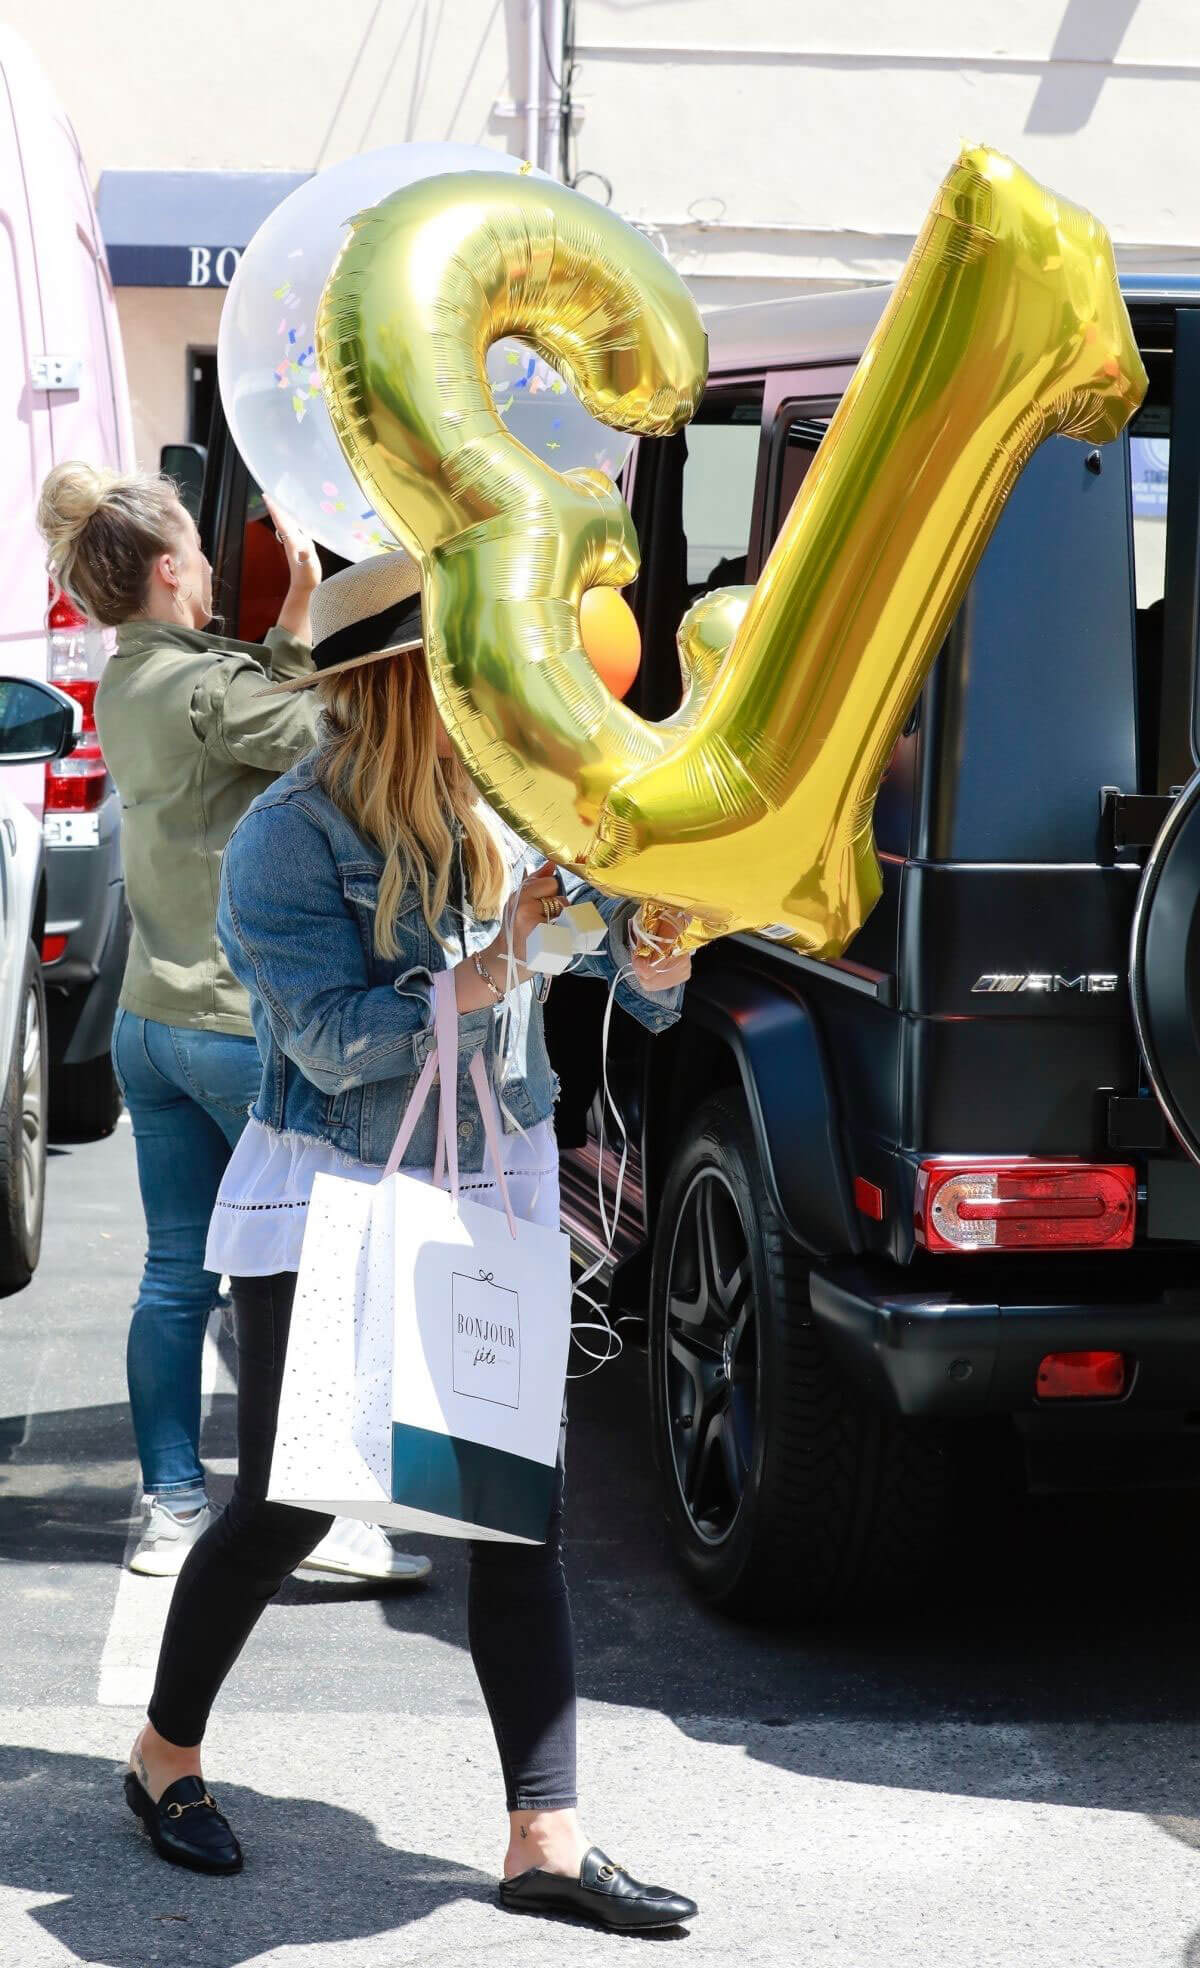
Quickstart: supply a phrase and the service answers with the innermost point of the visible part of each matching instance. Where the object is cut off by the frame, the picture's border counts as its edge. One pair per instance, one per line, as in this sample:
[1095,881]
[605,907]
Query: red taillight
[1024,1205]
[77,783]
[1081,1377]
[53,948]
[62,613]
[75,649]
[83,690]
[868,1198]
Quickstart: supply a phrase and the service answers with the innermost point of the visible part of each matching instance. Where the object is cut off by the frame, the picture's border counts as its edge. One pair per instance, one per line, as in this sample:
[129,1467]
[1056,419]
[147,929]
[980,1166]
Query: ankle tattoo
[140,1770]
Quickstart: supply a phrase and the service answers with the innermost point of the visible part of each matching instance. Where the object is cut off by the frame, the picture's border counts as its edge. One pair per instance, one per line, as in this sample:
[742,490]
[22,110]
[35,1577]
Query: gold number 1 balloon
[752,807]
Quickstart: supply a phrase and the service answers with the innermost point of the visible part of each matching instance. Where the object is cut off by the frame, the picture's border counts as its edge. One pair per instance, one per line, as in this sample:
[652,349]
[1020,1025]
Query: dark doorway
[202,392]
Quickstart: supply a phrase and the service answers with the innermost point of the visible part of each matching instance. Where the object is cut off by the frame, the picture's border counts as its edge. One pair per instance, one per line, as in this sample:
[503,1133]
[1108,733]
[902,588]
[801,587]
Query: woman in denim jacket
[364,870]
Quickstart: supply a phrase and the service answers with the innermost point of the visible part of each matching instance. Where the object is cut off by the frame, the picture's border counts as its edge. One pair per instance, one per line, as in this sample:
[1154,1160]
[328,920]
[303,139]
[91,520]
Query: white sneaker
[166,1540]
[365,1551]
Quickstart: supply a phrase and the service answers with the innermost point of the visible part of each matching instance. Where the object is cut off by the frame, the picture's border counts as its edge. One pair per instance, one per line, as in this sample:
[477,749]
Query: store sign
[185,228]
[173,266]
[213,268]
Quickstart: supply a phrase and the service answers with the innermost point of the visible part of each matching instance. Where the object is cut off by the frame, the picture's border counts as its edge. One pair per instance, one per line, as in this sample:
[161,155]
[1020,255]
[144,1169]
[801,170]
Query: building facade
[769,149]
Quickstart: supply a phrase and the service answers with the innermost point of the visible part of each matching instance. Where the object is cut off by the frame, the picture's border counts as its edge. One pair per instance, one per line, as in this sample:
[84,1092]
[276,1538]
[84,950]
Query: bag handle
[412,1114]
[486,1097]
[443,1063]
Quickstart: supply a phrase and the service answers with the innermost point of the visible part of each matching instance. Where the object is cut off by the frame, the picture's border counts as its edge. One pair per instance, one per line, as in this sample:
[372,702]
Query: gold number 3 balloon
[752,806]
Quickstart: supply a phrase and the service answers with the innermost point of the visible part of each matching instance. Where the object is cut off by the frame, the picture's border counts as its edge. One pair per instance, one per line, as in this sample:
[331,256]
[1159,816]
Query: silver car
[37,723]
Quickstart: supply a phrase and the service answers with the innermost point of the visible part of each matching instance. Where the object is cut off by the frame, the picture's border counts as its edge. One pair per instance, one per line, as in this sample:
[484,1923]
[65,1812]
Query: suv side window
[1149,458]
[798,432]
[693,506]
[1149,467]
[692,500]
[718,492]
[1029,707]
[1164,447]
[1033,700]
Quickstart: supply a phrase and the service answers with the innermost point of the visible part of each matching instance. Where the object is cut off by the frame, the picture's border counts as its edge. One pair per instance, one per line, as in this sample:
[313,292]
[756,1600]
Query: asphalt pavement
[1007,1774]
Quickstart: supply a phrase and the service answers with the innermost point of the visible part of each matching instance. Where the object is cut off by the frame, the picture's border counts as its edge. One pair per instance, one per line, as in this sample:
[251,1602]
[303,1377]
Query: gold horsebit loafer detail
[603,1893]
[206,1803]
[204,1843]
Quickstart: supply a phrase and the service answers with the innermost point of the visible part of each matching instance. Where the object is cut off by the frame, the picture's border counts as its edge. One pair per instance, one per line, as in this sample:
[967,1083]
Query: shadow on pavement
[65,1482]
[65,1831]
[1050,1609]
[1063,1620]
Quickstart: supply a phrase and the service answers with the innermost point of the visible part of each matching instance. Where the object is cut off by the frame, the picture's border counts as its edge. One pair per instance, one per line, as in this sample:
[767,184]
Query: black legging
[518,1612]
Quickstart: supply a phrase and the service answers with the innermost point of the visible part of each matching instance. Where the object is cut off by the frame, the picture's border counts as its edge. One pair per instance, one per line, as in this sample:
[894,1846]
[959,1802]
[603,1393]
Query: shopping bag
[333,1435]
[427,1359]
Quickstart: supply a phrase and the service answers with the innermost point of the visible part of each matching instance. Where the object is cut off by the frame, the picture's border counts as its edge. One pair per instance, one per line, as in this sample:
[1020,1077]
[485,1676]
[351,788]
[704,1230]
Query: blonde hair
[378,761]
[103,531]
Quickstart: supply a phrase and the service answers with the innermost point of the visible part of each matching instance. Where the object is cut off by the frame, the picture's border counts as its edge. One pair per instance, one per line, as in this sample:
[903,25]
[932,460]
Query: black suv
[929,1197]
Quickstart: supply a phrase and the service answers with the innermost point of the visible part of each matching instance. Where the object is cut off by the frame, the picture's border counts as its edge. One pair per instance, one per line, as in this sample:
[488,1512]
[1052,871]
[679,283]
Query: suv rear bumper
[938,1355]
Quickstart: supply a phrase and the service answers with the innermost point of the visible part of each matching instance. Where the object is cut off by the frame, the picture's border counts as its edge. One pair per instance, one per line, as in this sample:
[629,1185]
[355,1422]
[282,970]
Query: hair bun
[70,495]
[105,567]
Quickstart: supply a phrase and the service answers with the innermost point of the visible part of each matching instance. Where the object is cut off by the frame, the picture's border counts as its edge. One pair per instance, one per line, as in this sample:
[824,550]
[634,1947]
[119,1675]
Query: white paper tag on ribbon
[575,932]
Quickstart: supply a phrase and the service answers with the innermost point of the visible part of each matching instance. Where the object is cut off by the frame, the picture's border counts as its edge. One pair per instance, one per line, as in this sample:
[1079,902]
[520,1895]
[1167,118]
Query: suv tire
[839,1503]
[23,1136]
[85,1103]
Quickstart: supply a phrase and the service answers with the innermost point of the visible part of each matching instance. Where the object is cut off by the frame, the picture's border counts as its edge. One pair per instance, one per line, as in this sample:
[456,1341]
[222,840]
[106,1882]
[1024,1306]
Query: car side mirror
[36,721]
[185,464]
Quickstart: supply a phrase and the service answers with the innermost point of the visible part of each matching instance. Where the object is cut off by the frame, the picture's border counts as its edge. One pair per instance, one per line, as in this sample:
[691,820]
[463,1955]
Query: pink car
[60,345]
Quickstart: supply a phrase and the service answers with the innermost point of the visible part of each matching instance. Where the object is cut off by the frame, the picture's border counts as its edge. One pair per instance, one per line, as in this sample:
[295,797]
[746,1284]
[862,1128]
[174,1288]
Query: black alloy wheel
[786,1492]
[710,1357]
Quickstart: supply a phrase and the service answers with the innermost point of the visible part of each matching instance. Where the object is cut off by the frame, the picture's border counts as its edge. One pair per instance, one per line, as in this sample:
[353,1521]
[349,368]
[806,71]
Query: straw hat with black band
[367,611]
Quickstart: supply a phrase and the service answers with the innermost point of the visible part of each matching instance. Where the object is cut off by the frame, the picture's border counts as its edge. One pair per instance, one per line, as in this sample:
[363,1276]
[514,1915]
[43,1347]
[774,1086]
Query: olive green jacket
[191,740]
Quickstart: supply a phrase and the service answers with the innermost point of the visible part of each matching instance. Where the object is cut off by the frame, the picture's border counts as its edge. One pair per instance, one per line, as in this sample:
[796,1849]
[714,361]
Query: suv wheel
[85,1101]
[784,1492]
[23,1137]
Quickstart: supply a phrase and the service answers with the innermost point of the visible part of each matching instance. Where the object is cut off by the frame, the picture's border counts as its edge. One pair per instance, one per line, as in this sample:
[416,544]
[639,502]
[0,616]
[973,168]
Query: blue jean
[188,1095]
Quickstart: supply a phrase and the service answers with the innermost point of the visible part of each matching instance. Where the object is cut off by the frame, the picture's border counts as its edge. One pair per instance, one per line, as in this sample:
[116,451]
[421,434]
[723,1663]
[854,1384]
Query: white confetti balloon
[266,358]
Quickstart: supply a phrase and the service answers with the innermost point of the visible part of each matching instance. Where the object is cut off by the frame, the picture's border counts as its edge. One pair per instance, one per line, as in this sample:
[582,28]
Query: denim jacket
[344,1032]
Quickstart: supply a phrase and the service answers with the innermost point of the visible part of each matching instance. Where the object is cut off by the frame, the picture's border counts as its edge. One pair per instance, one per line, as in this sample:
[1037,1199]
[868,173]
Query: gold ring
[548,910]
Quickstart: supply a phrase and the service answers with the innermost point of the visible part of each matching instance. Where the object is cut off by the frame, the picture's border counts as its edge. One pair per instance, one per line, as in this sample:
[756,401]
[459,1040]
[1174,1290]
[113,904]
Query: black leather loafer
[185,1825]
[603,1893]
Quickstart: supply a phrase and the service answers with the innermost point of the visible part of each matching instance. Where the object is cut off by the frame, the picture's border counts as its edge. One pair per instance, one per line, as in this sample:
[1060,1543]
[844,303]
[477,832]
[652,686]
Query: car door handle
[11,831]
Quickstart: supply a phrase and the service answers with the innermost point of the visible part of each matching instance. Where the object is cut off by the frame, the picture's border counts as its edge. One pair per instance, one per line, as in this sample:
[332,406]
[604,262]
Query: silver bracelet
[487,977]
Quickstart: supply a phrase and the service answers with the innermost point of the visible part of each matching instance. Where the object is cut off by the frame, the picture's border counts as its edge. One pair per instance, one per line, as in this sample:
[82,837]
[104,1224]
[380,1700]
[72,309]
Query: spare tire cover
[1164,967]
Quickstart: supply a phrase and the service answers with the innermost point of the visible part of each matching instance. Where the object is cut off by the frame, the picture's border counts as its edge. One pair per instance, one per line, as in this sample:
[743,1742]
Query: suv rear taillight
[1082,1376]
[1023,1204]
[76,655]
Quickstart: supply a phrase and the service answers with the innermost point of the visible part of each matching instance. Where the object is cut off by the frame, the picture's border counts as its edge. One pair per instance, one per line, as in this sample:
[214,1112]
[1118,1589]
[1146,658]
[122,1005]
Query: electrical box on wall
[56,372]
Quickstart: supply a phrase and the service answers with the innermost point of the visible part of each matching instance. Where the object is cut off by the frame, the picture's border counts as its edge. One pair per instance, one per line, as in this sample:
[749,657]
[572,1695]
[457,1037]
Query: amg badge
[1090,982]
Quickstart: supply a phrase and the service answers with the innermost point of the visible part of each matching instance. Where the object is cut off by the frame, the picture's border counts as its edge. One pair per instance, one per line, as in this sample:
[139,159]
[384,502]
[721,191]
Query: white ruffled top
[257,1227]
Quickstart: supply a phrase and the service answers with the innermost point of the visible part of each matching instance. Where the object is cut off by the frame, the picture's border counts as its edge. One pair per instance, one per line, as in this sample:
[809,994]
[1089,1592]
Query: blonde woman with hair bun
[191,743]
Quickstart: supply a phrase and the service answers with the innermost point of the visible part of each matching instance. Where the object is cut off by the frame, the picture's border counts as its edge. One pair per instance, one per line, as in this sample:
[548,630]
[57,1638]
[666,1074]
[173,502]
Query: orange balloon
[611,637]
